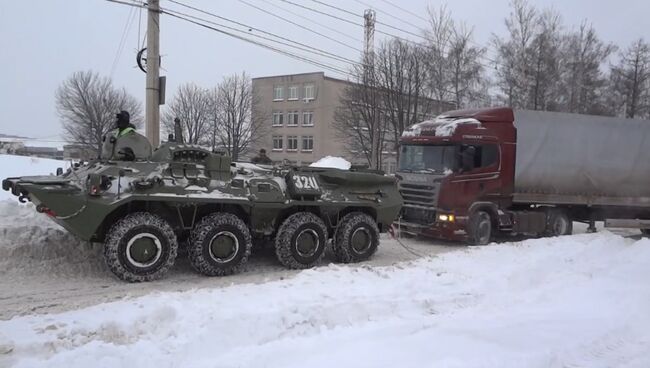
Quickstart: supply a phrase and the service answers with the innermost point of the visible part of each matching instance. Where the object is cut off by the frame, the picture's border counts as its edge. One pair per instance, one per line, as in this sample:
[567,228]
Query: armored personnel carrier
[142,210]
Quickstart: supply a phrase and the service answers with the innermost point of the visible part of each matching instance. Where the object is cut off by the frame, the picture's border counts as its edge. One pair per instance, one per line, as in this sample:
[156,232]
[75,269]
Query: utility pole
[369,17]
[152,108]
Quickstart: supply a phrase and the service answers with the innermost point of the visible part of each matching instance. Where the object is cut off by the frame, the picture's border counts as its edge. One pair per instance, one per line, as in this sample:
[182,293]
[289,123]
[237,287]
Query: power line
[376,21]
[269,47]
[405,10]
[386,13]
[186,17]
[120,47]
[322,12]
[249,27]
[299,25]
[313,21]
[442,46]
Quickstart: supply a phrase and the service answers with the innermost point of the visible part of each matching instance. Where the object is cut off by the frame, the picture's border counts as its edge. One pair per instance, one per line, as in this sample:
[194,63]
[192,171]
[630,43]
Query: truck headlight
[446,218]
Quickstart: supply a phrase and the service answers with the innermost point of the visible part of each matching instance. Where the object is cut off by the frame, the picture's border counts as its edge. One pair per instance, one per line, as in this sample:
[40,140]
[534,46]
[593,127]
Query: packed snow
[332,162]
[579,301]
[12,165]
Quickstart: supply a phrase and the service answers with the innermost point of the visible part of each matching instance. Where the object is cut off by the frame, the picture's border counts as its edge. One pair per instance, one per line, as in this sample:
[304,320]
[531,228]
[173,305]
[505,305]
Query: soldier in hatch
[124,143]
[262,158]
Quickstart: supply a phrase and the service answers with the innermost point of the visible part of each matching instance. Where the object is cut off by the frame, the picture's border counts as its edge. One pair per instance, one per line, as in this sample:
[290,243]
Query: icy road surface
[576,301]
[45,269]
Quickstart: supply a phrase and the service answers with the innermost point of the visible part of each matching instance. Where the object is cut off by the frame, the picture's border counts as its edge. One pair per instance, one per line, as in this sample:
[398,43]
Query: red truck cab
[454,167]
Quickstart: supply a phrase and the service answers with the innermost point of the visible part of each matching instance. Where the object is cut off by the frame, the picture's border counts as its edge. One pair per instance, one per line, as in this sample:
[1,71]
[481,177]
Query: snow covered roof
[442,126]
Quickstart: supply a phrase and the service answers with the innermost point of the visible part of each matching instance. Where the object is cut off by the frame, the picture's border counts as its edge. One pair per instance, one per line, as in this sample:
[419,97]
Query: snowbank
[578,301]
[11,165]
[333,162]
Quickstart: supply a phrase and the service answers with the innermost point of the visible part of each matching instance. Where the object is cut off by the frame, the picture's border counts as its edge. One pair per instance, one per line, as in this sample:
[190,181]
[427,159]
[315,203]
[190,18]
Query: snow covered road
[44,269]
[579,301]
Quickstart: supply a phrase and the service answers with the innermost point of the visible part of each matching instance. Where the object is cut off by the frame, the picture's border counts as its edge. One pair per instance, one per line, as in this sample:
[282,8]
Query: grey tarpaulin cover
[582,155]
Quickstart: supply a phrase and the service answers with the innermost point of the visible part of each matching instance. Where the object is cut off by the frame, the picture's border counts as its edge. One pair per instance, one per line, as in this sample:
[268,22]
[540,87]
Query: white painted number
[305,182]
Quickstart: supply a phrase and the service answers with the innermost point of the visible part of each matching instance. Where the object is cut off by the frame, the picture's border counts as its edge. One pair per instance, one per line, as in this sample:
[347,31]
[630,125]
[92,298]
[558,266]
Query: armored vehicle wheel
[301,239]
[479,229]
[140,247]
[220,244]
[356,238]
[558,223]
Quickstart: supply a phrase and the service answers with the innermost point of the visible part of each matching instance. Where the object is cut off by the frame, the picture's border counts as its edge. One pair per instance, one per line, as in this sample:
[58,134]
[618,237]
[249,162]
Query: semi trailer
[469,175]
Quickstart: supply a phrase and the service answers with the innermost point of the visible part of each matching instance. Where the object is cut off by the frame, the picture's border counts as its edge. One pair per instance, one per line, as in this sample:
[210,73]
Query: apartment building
[299,109]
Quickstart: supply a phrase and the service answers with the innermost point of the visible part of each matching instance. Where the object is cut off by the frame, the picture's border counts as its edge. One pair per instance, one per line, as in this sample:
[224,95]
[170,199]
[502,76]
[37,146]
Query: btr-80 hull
[184,194]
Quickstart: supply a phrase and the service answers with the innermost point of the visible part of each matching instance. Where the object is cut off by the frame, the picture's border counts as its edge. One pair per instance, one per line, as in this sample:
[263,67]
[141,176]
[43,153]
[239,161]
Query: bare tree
[401,79]
[583,81]
[358,114]
[456,74]
[630,85]
[515,54]
[385,98]
[234,127]
[87,103]
[191,104]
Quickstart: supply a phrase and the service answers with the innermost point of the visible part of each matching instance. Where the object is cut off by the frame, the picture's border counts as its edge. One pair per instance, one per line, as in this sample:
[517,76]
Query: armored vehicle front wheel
[300,242]
[356,238]
[140,247]
[220,244]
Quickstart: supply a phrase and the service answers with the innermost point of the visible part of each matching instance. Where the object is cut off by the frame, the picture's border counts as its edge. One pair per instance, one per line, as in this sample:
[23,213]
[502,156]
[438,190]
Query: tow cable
[391,231]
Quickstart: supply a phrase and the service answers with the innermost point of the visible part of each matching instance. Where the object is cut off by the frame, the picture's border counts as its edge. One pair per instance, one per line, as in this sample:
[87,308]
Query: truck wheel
[220,244]
[558,223]
[300,242]
[140,247]
[479,229]
[356,238]
[645,232]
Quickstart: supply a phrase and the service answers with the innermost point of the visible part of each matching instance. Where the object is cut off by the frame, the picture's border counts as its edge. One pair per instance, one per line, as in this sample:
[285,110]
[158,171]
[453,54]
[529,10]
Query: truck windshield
[438,159]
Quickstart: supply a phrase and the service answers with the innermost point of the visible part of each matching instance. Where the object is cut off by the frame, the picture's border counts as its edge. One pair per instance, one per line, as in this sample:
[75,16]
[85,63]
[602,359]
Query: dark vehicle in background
[470,174]
[141,210]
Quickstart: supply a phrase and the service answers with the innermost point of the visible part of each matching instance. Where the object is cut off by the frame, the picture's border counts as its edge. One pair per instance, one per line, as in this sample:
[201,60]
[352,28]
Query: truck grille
[420,202]
[417,215]
[418,194]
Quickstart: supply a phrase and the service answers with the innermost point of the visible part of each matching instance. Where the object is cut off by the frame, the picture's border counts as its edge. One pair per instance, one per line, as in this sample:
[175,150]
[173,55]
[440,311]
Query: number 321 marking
[305,182]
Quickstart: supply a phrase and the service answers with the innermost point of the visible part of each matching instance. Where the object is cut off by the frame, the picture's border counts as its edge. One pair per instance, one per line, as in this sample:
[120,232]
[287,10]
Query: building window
[309,91]
[308,118]
[292,118]
[277,142]
[293,92]
[292,143]
[278,118]
[277,93]
[308,143]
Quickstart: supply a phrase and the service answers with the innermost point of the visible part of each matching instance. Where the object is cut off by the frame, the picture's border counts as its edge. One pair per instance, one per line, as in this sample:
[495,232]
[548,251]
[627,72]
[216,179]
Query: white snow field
[575,301]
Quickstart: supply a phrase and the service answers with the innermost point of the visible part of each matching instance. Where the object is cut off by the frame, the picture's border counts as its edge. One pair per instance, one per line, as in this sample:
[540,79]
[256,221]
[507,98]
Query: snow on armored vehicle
[141,210]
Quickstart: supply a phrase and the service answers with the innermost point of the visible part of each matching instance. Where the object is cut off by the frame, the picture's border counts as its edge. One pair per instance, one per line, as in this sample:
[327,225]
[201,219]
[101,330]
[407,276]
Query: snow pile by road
[12,165]
[332,162]
[31,242]
[579,301]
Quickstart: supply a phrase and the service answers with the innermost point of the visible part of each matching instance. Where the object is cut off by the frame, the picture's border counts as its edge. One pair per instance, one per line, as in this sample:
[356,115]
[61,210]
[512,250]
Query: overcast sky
[42,42]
